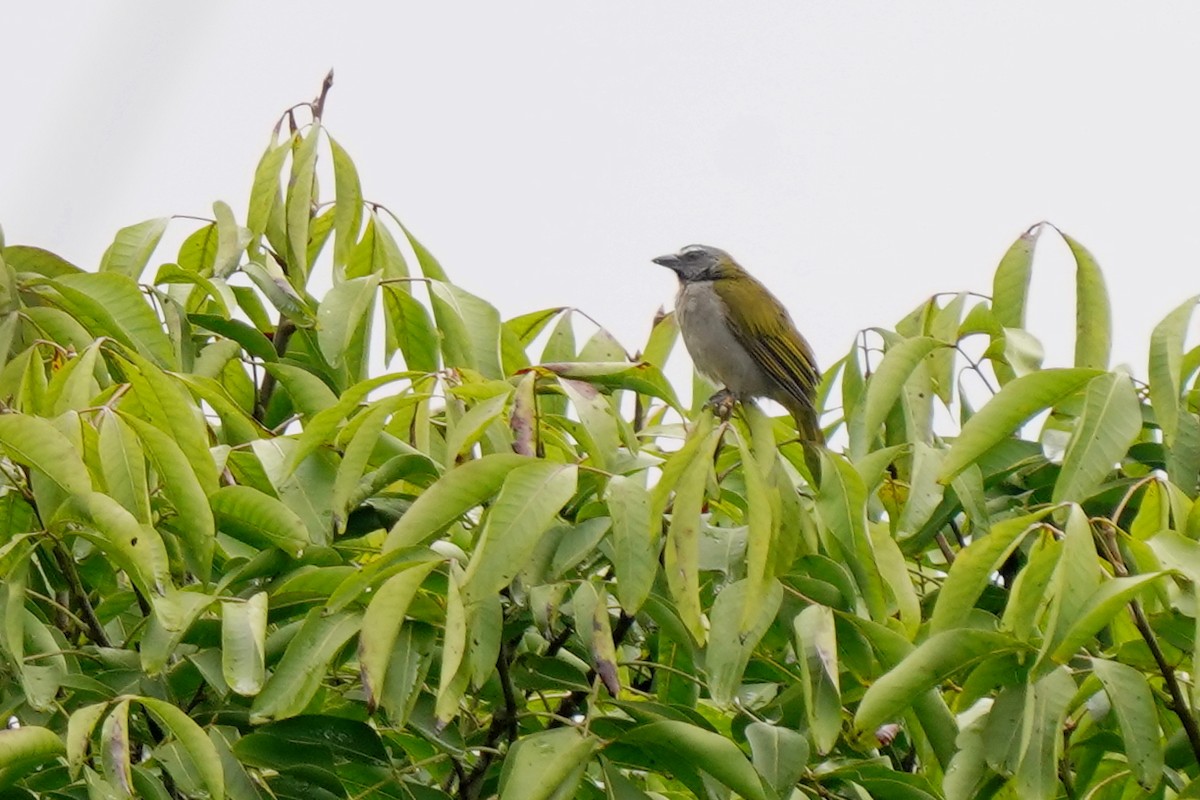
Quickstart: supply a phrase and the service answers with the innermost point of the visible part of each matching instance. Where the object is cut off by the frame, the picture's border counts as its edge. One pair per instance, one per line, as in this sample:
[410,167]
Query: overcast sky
[855,156]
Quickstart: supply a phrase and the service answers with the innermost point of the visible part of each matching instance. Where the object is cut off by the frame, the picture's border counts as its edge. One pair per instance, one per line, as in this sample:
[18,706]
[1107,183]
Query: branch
[67,565]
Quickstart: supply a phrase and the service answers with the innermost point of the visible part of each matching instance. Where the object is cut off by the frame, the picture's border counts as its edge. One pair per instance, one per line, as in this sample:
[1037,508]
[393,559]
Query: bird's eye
[691,255]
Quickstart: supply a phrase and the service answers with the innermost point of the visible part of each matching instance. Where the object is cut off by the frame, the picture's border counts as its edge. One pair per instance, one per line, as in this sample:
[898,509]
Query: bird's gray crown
[696,262]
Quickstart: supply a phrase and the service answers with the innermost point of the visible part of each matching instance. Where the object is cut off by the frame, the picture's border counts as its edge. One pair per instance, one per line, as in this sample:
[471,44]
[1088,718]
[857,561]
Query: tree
[237,564]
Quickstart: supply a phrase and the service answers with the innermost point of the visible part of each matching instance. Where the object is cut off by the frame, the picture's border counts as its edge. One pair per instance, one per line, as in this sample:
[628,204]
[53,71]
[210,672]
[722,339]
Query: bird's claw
[722,404]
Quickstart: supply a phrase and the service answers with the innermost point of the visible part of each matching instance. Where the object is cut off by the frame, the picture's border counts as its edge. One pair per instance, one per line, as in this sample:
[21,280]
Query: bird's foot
[722,404]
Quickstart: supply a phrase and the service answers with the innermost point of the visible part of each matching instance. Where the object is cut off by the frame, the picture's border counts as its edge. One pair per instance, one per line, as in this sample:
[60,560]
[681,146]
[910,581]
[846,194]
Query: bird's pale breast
[712,345]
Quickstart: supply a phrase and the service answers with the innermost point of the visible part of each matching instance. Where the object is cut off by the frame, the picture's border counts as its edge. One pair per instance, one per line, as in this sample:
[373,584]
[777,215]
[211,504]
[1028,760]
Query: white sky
[856,156]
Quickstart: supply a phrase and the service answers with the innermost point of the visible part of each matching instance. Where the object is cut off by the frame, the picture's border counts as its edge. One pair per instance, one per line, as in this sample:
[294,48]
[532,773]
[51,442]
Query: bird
[741,337]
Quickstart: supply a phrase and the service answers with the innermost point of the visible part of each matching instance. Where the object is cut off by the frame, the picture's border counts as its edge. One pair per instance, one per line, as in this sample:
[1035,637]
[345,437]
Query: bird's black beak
[670,262]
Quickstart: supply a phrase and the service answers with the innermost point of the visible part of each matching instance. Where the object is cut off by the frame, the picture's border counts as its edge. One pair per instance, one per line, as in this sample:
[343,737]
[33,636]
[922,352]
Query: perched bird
[741,336]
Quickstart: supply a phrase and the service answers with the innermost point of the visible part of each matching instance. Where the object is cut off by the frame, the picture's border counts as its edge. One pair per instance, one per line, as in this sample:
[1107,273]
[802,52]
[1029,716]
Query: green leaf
[470,328]
[258,519]
[635,541]
[598,418]
[382,622]
[243,643]
[136,548]
[304,664]
[455,670]
[132,248]
[169,406]
[343,312]
[23,258]
[1110,423]
[1166,365]
[973,567]
[711,752]
[681,556]
[739,620]
[886,384]
[1093,313]
[193,742]
[111,304]
[546,764]
[816,649]
[1104,604]
[1010,285]
[1075,580]
[123,466]
[1133,703]
[231,241]
[642,377]
[934,660]
[529,500]
[35,443]
[465,432]
[451,496]
[250,338]
[272,281]
[779,754]
[193,515]
[1015,403]
[348,205]
[79,733]
[842,507]
[1041,733]
[266,187]
[319,429]
[114,750]
[410,330]
[26,749]
[300,201]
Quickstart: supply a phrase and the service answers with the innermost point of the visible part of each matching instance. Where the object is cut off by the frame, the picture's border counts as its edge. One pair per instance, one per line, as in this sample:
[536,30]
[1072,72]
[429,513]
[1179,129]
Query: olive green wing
[771,338]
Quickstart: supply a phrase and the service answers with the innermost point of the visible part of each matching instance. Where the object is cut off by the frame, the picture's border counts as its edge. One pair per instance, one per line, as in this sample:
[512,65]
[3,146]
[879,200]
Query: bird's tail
[808,426]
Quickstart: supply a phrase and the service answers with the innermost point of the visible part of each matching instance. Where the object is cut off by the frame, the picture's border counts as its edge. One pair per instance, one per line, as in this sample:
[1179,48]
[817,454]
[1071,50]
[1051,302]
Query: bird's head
[699,262]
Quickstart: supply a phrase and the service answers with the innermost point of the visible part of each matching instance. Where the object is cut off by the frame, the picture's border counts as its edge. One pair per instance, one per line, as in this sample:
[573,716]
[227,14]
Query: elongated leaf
[1037,774]
[243,638]
[266,187]
[170,407]
[111,304]
[455,669]
[1013,405]
[1010,285]
[544,764]
[114,747]
[194,743]
[1110,423]
[779,754]
[258,519]
[935,659]
[1104,604]
[842,506]
[299,674]
[470,327]
[341,315]
[269,278]
[25,749]
[410,330]
[529,499]
[739,620]
[35,443]
[132,248]
[1166,363]
[1076,578]
[319,429]
[124,466]
[973,567]
[465,432]
[886,384]
[706,750]
[136,548]
[381,626]
[681,557]
[181,486]
[454,494]
[635,541]
[1133,702]
[300,201]
[598,418]
[1093,313]
[816,647]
